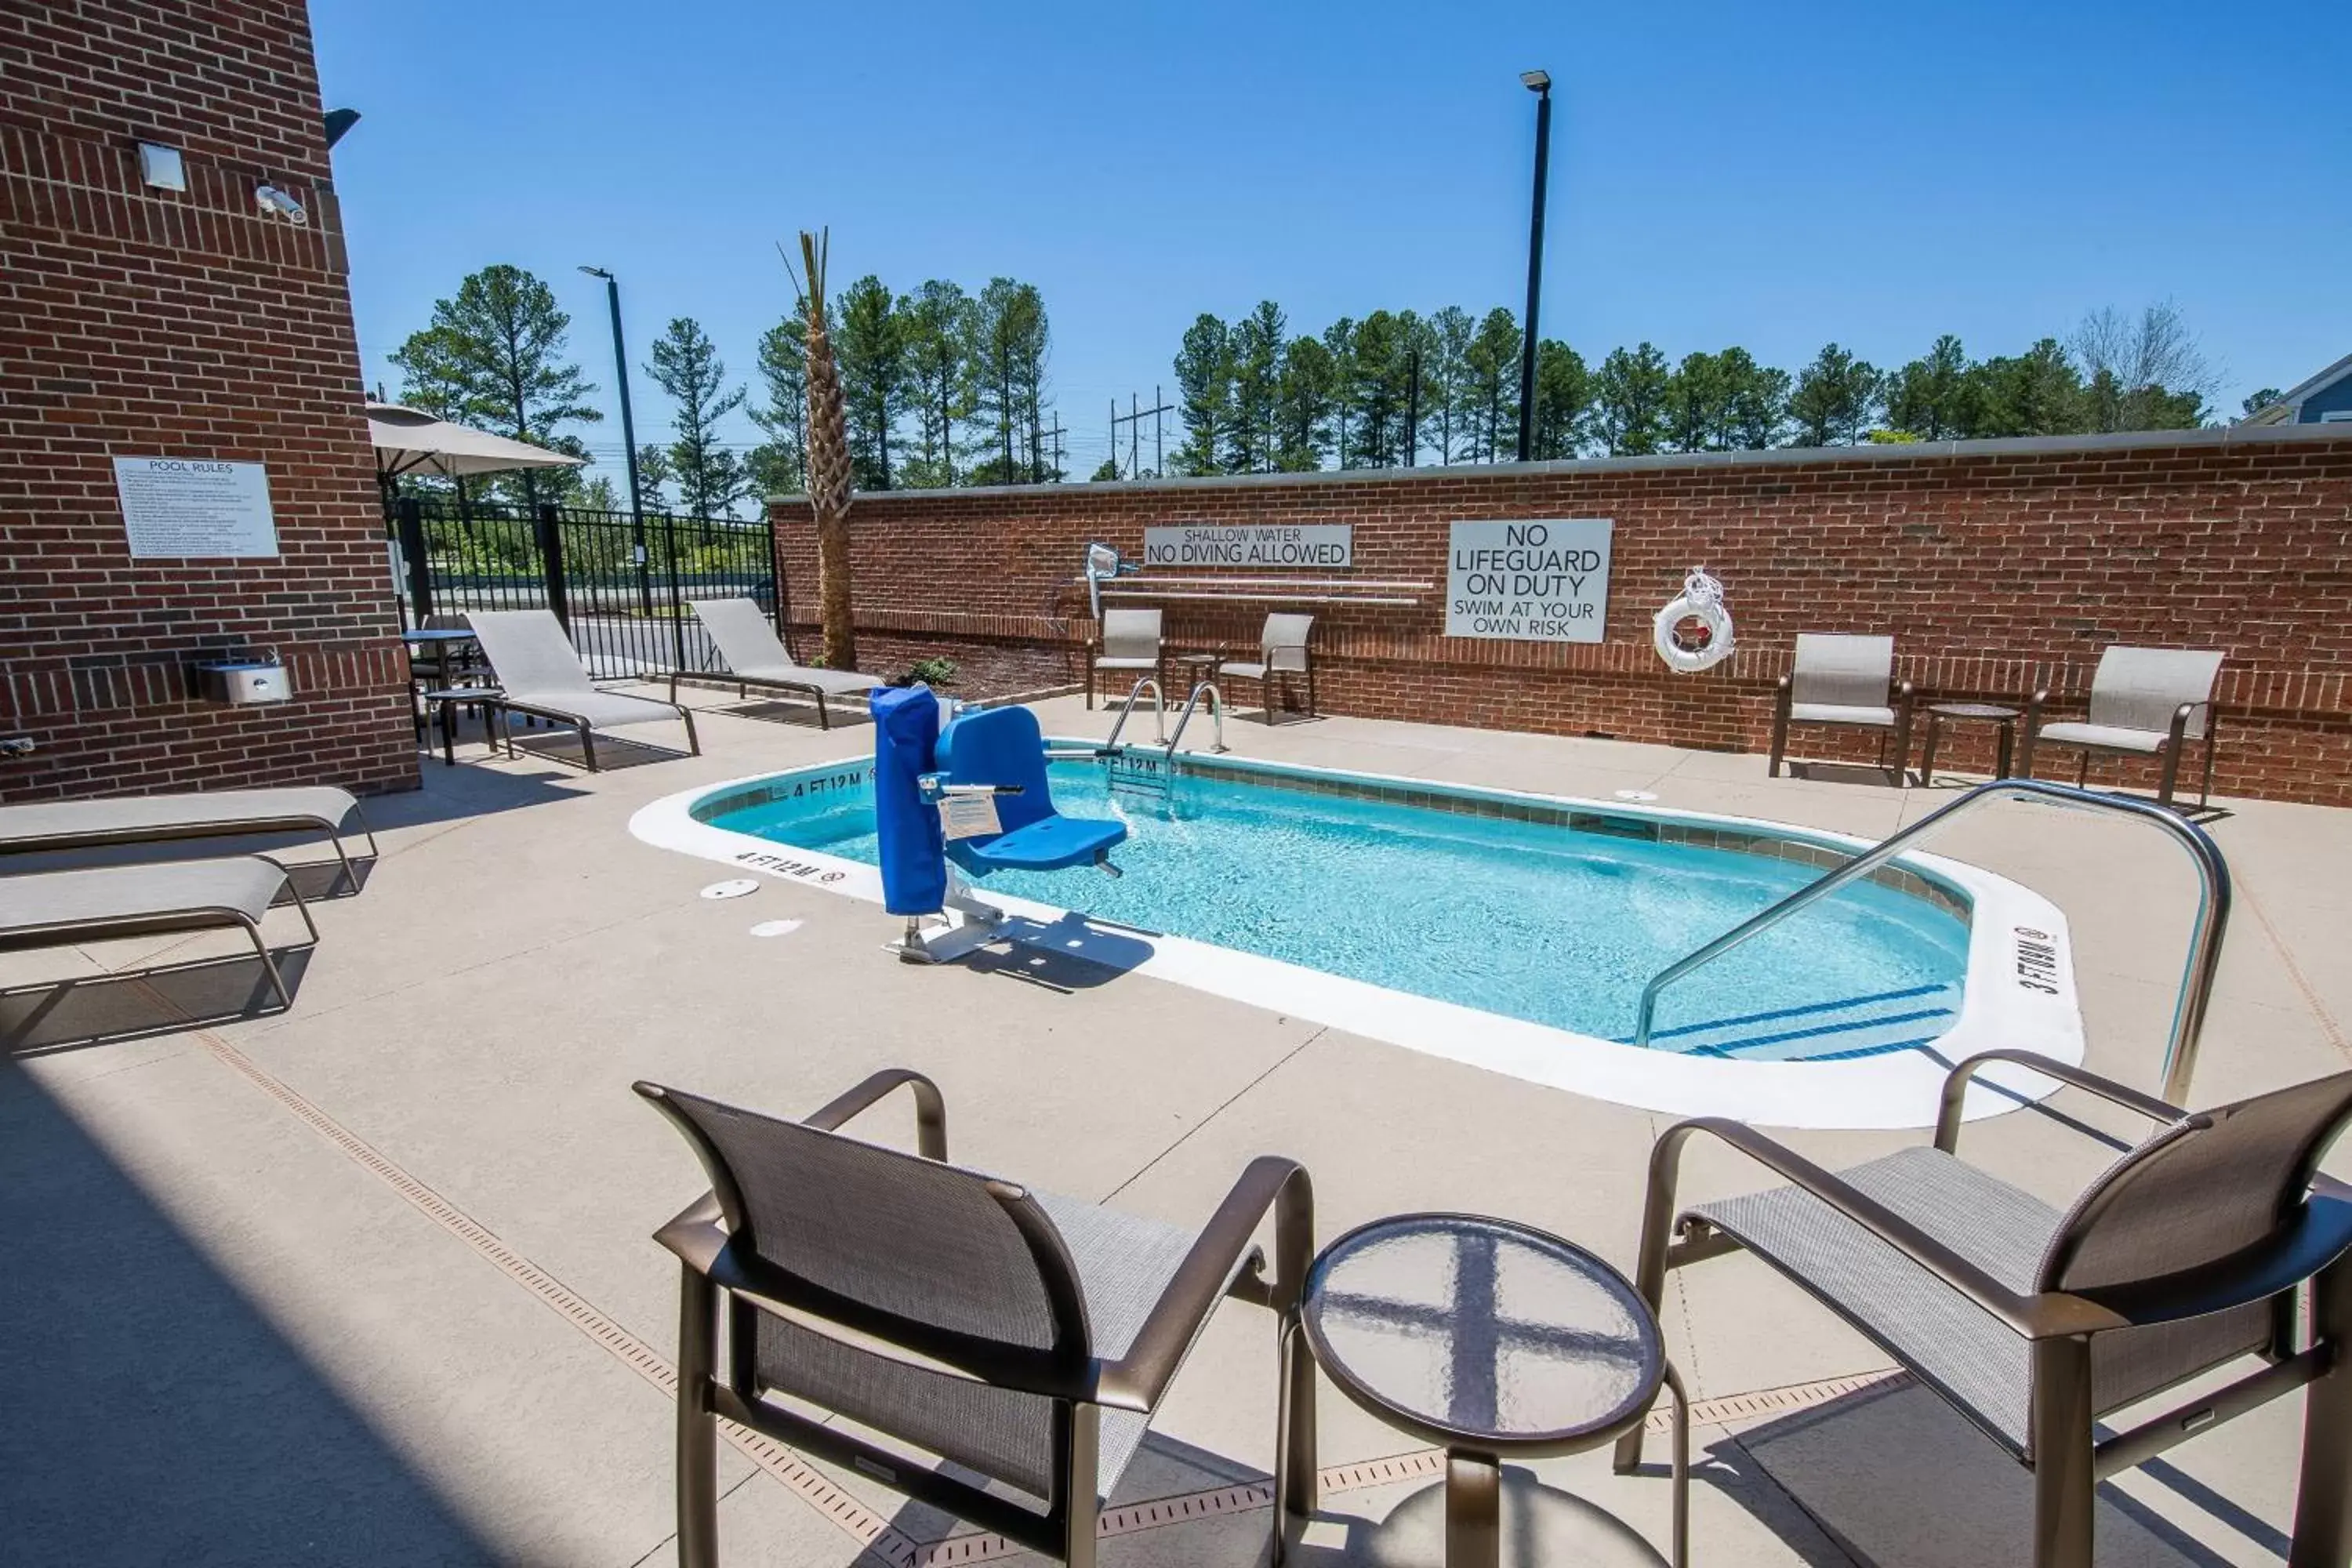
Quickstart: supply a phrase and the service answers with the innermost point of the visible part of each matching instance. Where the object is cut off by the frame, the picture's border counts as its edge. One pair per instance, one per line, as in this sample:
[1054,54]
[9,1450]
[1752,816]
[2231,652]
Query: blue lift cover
[914,860]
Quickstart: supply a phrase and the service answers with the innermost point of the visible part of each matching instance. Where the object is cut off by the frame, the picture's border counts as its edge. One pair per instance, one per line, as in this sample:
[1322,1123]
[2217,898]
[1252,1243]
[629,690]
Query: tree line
[942,388]
[1398,388]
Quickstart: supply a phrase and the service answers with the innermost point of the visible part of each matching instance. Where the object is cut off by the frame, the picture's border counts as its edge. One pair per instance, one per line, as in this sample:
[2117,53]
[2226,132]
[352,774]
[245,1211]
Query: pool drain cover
[775,927]
[734,889]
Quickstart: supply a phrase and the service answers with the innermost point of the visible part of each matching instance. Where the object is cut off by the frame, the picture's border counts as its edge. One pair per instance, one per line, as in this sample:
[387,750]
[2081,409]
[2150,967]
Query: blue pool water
[1538,921]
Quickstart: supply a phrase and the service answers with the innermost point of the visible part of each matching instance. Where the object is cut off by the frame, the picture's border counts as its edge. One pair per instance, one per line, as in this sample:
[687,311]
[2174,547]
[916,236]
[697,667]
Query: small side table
[1490,1339]
[1197,668]
[450,699]
[1968,713]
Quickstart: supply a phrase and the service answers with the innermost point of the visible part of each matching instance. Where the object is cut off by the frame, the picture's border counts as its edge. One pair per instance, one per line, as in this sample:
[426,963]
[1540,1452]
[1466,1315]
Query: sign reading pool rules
[190,507]
[1308,546]
[1538,581]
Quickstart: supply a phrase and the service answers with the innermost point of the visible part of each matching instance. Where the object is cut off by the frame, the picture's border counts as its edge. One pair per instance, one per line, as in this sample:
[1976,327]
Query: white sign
[969,816]
[1543,581]
[195,507]
[1298,545]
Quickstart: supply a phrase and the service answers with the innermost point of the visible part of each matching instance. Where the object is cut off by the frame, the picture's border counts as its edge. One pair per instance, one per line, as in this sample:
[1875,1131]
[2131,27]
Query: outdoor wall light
[161,166]
[270,199]
[1536,81]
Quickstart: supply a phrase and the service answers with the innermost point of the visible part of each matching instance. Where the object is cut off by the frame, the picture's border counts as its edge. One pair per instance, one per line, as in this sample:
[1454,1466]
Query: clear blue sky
[1771,176]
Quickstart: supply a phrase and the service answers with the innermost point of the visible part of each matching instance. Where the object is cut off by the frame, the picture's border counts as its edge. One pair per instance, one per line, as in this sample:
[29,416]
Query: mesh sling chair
[1130,640]
[1837,679]
[1019,1335]
[2186,1253]
[1281,653]
[2145,703]
[541,676]
[754,656]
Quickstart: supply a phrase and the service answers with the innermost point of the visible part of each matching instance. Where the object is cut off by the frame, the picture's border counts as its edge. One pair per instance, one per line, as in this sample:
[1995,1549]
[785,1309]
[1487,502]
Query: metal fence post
[777,589]
[677,604]
[550,564]
[410,521]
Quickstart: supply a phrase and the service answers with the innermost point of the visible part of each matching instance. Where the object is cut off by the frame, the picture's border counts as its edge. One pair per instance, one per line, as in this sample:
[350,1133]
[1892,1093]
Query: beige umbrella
[408,441]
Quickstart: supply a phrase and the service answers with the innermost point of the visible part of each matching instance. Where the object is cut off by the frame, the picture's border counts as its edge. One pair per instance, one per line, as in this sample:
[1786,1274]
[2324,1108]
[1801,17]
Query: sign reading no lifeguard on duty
[1292,546]
[1537,581]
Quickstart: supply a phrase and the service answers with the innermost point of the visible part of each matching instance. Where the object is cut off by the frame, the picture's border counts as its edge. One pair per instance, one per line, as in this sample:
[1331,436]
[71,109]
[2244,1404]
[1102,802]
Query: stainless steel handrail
[1159,712]
[1192,704]
[2204,936]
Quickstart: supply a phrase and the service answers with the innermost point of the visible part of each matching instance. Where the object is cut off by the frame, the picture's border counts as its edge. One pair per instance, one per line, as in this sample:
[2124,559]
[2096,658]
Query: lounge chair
[1129,640]
[98,903]
[1281,653]
[1026,1337]
[1838,678]
[755,655]
[2145,703]
[2186,1254]
[38,825]
[540,675]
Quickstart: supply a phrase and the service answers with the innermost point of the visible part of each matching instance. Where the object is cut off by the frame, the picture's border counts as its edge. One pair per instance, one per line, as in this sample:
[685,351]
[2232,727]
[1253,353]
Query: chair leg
[1902,745]
[588,747]
[1779,739]
[1082,1511]
[2205,788]
[698,1432]
[823,719]
[2171,769]
[693,741]
[1090,683]
[2064,1479]
[1927,753]
[1294,1436]
[2323,1502]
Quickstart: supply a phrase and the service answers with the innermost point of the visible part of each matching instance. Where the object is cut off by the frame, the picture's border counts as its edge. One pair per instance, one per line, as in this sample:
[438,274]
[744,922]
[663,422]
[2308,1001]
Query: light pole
[1540,83]
[629,439]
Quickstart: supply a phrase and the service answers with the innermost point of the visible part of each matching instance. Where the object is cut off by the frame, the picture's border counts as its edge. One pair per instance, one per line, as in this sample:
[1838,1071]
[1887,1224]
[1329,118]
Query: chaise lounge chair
[1026,1337]
[755,655]
[1838,678]
[2145,703]
[539,674]
[1281,653]
[2189,1253]
[1130,640]
[38,825]
[52,908]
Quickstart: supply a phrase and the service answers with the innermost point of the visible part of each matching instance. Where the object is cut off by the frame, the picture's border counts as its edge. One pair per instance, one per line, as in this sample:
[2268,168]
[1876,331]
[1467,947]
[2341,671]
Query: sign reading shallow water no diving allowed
[1537,581]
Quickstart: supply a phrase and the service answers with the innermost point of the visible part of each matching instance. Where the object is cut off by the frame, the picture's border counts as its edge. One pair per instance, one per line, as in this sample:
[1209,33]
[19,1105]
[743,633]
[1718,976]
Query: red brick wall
[1996,565]
[148,324]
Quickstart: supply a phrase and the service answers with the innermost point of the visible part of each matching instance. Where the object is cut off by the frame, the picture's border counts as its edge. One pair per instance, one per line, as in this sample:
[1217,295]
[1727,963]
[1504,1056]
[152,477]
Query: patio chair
[2145,703]
[48,824]
[1026,1337]
[1837,679]
[101,903]
[1281,653]
[1130,640]
[540,675]
[2186,1253]
[755,655]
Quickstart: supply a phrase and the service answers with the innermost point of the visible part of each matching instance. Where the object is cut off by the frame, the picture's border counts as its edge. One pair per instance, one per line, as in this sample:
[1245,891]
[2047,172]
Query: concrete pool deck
[372,1281]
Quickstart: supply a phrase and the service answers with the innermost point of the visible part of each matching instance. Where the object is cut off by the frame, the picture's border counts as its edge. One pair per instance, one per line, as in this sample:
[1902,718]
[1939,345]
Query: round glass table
[1490,1340]
[1940,713]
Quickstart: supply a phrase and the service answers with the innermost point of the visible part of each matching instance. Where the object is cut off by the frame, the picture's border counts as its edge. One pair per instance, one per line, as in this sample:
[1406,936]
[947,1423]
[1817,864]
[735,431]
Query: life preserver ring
[1701,601]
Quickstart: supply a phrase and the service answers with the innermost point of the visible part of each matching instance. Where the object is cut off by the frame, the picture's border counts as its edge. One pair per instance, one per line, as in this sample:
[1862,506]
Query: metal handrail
[1159,712]
[1191,703]
[2204,936]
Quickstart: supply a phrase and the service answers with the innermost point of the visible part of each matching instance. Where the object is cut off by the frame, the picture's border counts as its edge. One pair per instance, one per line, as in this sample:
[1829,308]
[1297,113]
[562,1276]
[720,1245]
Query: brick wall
[139,322]
[1997,566]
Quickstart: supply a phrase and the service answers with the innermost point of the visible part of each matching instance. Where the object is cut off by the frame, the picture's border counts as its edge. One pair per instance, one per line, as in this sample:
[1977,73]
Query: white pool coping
[2019,993]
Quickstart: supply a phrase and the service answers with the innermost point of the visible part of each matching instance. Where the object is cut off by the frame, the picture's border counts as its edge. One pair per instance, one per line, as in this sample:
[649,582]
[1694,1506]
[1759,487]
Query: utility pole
[1038,450]
[1540,83]
[1133,419]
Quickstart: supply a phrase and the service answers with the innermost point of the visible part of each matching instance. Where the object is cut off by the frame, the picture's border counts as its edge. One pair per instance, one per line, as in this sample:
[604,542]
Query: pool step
[1143,780]
[1840,1028]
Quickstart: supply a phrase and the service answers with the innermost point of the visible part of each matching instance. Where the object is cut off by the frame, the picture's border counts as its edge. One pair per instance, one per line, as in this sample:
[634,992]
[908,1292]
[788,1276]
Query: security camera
[270,199]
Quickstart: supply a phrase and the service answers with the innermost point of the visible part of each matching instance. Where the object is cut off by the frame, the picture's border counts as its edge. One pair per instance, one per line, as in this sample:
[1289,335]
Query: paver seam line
[1272,1067]
[655,1549]
[2295,972]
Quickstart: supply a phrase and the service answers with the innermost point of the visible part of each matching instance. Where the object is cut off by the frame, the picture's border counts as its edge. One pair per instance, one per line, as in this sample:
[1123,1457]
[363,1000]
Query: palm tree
[828,463]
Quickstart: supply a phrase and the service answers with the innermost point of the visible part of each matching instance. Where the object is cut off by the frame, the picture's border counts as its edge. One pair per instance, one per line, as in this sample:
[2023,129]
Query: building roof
[2290,405]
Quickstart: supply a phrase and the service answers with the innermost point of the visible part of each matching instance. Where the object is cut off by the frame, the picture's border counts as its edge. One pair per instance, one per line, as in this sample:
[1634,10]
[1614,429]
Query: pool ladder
[1143,780]
[2204,936]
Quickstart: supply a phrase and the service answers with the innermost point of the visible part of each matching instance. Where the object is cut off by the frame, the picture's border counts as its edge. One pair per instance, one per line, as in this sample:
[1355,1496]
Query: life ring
[1701,601]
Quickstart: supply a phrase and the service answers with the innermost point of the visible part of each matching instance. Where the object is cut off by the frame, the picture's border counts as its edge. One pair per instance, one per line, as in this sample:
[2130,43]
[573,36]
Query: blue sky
[1770,176]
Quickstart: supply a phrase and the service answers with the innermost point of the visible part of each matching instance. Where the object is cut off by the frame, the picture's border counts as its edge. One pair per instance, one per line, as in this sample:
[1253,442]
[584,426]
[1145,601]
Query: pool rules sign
[1537,581]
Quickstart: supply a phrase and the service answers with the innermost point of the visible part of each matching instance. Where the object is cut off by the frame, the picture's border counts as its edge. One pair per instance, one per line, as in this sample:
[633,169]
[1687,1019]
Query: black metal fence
[621,591]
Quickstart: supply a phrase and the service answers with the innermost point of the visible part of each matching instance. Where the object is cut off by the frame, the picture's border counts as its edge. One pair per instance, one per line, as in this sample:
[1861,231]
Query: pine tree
[1925,397]
[1007,353]
[780,465]
[1563,400]
[1698,398]
[1835,397]
[1340,342]
[1493,359]
[937,335]
[1306,400]
[1628,401]
[1204,395]
[1447,390]
[1257,344]
[1758,409]
[686,364]
[870,342]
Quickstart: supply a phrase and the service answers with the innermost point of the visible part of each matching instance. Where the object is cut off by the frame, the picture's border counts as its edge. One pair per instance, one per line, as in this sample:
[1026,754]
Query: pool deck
[371,1281]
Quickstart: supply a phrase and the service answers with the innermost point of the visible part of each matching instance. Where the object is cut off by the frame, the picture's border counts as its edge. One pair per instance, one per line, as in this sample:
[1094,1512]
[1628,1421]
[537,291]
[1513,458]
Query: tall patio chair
[1837,679]
[540,675]
[1129,640]
[2188,1253]
[2145,703]
[755,655]
[1026,1337]
[1281,653]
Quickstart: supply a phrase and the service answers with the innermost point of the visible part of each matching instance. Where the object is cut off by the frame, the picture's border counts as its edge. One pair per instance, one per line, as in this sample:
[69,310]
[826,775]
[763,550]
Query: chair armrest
[2178,731]
[930,1109]
[696,1235]
[1956,1088]
[2047,1315]
[1137,1380]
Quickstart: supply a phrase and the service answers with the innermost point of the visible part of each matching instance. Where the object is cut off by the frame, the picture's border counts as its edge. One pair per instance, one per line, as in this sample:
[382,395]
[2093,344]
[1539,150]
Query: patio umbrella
[408,441]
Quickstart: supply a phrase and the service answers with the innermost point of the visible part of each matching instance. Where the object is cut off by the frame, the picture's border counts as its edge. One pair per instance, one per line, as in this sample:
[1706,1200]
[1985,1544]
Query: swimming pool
[1497,927]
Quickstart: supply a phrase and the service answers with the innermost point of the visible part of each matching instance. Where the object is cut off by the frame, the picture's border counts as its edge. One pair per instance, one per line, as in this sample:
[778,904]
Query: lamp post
[1540,83]
[628,440]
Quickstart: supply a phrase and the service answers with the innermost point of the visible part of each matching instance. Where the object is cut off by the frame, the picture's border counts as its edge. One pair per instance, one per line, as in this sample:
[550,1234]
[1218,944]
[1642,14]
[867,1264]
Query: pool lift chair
[971,797]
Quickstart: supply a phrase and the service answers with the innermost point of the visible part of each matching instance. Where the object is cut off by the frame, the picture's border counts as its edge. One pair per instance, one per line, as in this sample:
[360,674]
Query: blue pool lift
[970,796]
